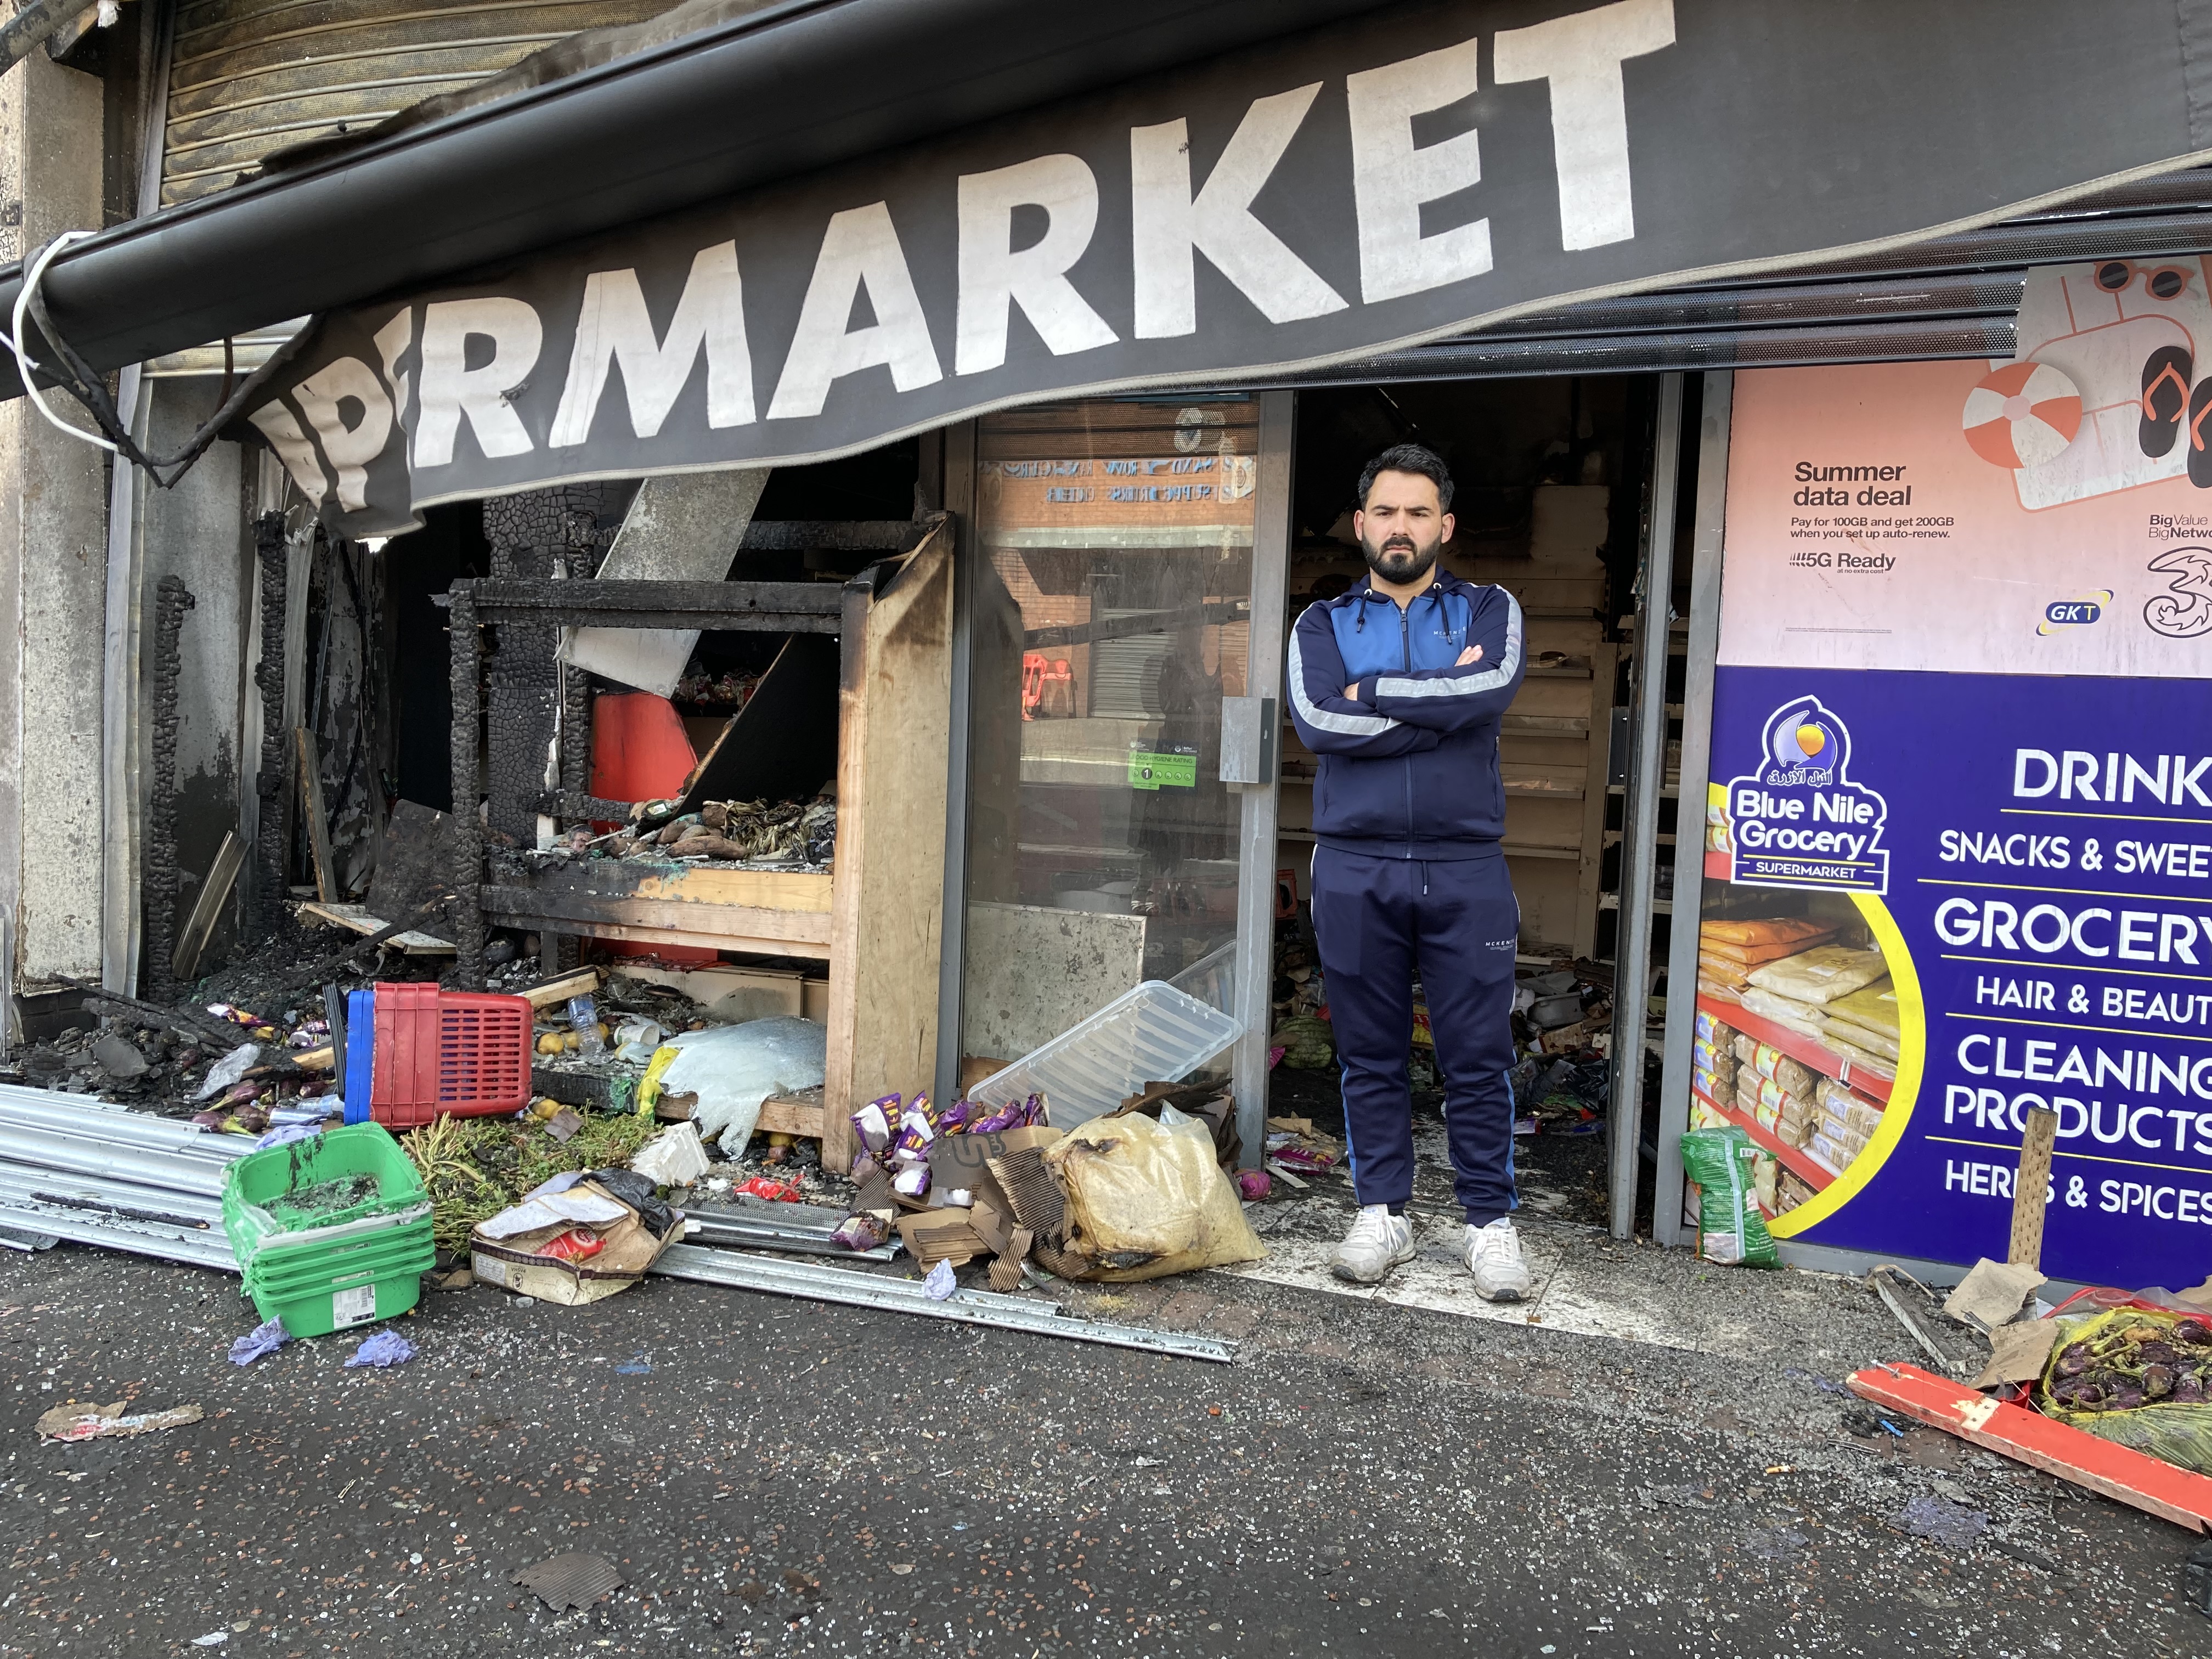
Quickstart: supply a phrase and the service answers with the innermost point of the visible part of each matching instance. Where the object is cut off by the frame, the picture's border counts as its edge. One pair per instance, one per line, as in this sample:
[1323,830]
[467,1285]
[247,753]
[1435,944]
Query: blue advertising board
[2032,856]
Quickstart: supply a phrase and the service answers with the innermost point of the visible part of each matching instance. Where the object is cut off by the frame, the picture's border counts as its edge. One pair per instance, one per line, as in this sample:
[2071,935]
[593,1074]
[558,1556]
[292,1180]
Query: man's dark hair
[1410,458]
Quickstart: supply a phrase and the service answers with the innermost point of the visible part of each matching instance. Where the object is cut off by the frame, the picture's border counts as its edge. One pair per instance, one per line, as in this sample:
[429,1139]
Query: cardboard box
[959,1161]
[514,1263]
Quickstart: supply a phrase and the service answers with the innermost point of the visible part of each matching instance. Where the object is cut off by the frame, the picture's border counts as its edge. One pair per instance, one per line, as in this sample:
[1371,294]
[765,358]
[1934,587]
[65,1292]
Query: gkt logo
[2075,613]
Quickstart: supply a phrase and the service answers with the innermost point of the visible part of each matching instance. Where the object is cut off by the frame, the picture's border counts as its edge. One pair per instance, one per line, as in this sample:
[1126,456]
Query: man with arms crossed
[1398,685]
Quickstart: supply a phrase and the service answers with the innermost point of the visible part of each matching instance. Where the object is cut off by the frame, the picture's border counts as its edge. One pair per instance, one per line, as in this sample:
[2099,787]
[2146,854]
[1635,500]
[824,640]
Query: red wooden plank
[1797,1046]
[2148,1483]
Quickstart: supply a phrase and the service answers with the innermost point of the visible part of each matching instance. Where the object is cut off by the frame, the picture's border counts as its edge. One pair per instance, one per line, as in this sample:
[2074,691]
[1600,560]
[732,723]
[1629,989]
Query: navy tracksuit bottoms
[1378,920]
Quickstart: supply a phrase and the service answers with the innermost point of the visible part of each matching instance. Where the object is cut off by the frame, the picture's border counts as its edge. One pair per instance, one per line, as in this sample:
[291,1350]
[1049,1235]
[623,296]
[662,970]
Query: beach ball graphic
[1804,743]
[2023,414]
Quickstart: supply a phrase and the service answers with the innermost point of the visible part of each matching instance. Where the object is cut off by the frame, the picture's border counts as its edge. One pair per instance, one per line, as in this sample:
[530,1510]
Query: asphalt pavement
[773,1476]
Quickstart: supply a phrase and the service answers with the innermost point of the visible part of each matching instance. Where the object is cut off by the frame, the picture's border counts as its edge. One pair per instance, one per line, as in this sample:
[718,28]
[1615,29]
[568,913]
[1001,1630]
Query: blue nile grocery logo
[1798,820]
[2077,612]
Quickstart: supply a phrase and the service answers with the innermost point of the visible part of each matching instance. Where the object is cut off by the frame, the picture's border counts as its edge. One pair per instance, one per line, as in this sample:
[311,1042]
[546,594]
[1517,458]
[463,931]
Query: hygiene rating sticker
[1162,768]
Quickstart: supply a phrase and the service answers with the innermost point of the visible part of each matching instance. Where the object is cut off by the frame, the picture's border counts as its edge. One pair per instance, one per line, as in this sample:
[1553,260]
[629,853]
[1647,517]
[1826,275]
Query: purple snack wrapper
[954,1119]
[912,1183]
[862,1231]
[915,1135]
[1005,1118]
[872,1123]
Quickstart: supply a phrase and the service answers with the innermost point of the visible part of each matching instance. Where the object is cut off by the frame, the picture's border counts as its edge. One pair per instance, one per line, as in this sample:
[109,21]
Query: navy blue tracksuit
[1408,873]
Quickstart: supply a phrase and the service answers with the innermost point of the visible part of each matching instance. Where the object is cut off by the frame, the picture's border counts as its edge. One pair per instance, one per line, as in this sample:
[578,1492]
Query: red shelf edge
[1799,1047]
[1794,1159]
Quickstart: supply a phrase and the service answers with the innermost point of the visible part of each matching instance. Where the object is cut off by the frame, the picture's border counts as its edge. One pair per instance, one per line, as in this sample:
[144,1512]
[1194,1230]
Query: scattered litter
[214,1638]
[227,1071]
[1147,1199]
[770,1190]
[1252,1185]
[384,1350]
[75,1420]
[637,1365]
[1777,1544]
[576,1579]
[1916,1308]
[2018,1352]
[1991,1293]
[264,1339]
[1942,1522]
[940,1283]
[673,1157]
[731,1069]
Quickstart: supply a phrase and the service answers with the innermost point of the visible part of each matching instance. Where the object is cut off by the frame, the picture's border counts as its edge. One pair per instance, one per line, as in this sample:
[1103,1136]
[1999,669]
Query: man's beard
[1401,559]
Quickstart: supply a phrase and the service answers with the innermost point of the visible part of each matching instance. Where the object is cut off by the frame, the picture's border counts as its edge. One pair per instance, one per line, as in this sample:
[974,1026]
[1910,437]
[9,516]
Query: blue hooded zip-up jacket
[1410,770]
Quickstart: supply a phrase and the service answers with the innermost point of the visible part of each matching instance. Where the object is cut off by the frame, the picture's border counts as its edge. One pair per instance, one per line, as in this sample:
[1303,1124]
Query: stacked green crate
[331,1231]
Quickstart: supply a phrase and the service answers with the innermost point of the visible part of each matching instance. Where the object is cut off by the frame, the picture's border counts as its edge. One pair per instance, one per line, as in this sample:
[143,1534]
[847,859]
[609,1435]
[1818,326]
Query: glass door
[1112,615]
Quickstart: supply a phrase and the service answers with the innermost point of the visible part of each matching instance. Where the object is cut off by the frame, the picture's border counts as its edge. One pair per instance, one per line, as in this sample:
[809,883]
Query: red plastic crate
[448,1054]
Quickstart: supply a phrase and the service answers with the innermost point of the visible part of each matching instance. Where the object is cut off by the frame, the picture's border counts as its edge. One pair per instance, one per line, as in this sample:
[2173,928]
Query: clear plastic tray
[1153,1033]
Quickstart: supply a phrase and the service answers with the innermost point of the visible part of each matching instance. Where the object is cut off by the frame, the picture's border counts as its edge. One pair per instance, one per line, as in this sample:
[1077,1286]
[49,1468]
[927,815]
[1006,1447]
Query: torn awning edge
[811,75]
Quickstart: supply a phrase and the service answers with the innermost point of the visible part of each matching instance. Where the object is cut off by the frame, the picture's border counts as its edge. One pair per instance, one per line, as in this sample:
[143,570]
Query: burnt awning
[770,94]
[830,223]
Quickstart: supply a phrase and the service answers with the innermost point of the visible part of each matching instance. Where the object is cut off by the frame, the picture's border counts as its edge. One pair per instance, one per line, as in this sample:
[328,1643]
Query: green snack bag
[1730,1226]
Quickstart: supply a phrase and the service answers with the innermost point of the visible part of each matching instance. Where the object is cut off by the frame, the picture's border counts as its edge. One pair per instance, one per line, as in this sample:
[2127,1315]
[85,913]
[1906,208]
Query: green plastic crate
[255,1187]
[330,1270]
[336,1308]
[282,1272]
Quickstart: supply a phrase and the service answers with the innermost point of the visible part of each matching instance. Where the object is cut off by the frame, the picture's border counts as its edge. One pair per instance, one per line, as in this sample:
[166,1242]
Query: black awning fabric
[782,91]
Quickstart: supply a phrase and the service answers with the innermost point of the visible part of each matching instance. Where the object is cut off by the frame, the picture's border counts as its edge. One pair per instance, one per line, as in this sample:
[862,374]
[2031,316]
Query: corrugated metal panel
[248,77]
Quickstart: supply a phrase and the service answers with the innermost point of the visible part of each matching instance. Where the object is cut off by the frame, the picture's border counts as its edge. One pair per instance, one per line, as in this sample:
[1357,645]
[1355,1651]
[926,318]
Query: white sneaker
[1378,1241]
[1493,1256]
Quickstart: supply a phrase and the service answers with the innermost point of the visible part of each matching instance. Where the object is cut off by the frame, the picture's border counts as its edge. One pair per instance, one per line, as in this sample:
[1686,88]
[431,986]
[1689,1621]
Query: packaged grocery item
[1722,969]
[1873,1006]
[1779,929]
[1720,1165]
[1751,956]
[1715,991]
[1786,1012]
[1746,1047]
[1763,1172]
[1821,974]
[1834,1028]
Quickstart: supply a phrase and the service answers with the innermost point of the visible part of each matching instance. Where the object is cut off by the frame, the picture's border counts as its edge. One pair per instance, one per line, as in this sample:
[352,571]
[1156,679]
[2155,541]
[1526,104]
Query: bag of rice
[1821,974]
[1783,1011]
[1722,1166]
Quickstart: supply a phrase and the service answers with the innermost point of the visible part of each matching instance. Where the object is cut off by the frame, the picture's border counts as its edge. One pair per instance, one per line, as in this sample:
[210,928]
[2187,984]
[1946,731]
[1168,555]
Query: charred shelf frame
[893,623]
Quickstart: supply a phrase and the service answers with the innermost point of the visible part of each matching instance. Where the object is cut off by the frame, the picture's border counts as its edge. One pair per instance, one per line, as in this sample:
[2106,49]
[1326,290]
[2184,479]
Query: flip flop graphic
[2166,399]
[2200,434]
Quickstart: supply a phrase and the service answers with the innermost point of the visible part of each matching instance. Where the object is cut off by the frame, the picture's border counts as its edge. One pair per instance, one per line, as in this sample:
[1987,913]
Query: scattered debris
[2029,1436]
[1991,1293]
[264,1339]
[1942,1522]
[383,1351]
[76,1420]
[575,1580]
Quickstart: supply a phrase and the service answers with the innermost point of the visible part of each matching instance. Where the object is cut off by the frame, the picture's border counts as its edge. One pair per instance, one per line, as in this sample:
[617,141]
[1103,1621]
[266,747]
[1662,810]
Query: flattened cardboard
[515,1264]
[962,1160]
[936,1236]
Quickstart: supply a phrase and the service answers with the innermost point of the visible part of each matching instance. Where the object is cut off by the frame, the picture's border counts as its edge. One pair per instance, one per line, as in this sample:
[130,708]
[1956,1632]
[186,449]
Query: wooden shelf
[1806,1050]
[1795,1159]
